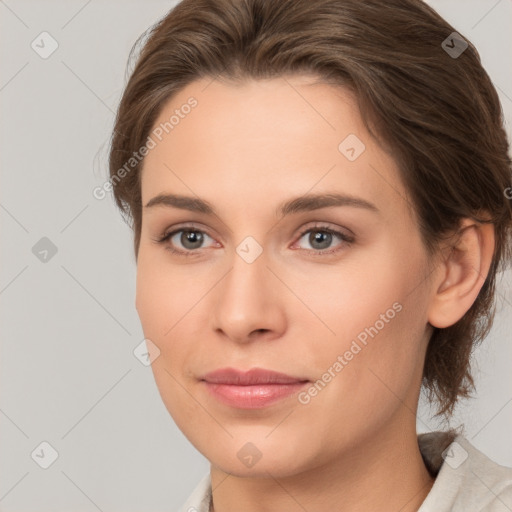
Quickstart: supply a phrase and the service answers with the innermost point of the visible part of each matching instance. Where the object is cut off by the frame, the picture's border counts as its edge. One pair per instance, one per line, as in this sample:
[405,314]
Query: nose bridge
[248,278]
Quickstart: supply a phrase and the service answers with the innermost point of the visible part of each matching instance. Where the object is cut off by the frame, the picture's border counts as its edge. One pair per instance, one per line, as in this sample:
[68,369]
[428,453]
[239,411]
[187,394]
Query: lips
[253,389]
[249,378]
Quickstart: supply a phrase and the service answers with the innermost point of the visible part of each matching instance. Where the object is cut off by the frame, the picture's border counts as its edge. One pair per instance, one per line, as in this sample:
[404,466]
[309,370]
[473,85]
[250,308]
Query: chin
[255,453]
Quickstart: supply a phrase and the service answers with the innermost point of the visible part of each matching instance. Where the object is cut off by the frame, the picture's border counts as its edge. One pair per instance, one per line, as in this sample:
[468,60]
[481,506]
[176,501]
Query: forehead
[260,141]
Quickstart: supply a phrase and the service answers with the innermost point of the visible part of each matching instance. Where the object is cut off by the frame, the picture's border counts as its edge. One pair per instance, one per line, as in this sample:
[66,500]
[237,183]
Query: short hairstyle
[436,112]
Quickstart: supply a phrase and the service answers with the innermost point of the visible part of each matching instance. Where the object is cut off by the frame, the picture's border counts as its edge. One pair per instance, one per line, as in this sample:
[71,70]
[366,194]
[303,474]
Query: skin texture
[245,149]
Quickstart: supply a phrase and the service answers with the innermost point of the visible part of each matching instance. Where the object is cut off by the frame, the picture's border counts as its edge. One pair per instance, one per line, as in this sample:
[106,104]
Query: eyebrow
[304,203]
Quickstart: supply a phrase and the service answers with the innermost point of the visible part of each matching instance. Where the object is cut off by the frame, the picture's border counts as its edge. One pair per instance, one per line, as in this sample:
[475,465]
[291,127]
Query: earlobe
[462,274]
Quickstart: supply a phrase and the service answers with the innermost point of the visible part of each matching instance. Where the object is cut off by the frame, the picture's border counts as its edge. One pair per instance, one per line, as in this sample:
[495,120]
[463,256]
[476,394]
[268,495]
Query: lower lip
[252,397]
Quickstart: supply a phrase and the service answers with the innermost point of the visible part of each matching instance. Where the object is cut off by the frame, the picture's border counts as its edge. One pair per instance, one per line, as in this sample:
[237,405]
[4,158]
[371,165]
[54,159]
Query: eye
[184,241]
[321,238]
[188,240]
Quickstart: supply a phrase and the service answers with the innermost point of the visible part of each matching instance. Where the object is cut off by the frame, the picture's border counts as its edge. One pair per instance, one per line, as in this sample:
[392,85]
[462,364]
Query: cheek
[162,309]
[376,317]
[356,395]
[172,305]
[165,294]
[160,305]
[347,300]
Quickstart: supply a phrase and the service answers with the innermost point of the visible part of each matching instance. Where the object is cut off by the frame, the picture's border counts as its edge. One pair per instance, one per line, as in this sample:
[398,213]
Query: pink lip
[253,389]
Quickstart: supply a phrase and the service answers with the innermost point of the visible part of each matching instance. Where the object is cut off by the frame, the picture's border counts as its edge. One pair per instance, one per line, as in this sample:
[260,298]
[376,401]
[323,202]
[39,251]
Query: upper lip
[253,376]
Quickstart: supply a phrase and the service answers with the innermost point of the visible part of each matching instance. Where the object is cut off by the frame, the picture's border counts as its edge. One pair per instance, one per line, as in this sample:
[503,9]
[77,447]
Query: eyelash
[346,239]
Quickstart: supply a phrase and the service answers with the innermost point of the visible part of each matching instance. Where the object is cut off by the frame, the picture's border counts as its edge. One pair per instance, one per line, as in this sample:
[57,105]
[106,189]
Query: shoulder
[487,484]
[467,479]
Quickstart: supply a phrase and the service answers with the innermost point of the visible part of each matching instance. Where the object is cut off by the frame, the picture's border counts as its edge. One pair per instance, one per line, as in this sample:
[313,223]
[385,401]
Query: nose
[248,303]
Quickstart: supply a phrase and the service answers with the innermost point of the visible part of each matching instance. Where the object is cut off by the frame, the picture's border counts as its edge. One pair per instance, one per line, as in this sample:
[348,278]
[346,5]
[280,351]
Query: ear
[462,273]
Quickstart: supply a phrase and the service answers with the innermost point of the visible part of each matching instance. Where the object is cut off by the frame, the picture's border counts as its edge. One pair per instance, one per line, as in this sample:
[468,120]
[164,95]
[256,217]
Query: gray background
[69,325]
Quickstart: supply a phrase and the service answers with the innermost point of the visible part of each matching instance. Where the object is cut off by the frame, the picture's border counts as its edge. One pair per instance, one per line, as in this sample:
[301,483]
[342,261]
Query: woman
[318,193]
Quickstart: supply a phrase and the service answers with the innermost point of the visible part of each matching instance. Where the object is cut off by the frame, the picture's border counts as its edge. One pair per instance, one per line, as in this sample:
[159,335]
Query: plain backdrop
[68,375]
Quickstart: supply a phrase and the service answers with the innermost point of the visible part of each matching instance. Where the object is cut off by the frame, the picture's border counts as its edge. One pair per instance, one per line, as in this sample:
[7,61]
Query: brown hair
[438,114]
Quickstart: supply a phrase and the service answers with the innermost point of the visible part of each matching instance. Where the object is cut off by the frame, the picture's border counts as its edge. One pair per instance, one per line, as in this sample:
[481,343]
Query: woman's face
[332,291]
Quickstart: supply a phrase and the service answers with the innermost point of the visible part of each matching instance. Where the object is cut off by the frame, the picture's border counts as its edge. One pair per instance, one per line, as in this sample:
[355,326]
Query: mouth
[253,389]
